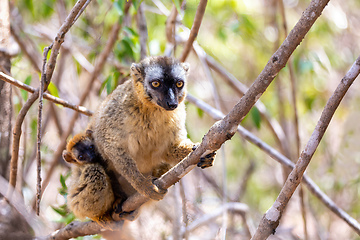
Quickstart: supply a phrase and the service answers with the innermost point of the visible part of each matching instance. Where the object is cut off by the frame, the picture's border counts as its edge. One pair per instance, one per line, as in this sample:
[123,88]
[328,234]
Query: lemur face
[84,152]
[164,81]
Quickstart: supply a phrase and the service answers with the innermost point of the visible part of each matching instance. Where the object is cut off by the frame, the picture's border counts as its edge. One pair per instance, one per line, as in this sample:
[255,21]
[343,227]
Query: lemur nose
[172,105]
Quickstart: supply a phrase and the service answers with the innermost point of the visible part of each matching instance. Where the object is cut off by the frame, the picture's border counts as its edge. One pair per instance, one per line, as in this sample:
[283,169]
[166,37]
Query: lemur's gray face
[164,81]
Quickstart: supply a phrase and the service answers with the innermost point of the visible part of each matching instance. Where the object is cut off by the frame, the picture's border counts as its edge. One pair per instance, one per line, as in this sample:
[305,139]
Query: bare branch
[47,96]
[271,219]
[223,130]
[77,229]
[194,29]
[49,71]
[17,202]
[143,32]
[313,188]
[38,145]
[100,63]
[234,207]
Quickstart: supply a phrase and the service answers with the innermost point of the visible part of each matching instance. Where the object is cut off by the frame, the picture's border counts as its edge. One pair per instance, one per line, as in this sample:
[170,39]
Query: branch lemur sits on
[139,129]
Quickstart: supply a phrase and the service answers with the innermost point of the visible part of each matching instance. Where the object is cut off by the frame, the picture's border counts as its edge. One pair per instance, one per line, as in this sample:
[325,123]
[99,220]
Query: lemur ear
[135,69]
[89,133]
[186,66]
[67,157]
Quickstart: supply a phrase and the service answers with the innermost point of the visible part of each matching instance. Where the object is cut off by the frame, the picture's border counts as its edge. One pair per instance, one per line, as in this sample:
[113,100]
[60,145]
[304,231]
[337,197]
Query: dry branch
[223,130]
[271,219]
[310,184]
[47,96]
[100,63]
[234,207]
[50,66]
[194,29]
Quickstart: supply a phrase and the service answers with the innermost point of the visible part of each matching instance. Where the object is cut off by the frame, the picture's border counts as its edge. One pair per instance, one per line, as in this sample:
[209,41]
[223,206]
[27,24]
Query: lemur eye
[91,147]
[179,84]
[155,84]
[80,157]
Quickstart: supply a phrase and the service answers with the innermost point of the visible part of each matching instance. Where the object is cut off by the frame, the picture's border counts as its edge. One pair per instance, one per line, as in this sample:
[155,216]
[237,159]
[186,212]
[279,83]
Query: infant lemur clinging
[139,129]
[90,192]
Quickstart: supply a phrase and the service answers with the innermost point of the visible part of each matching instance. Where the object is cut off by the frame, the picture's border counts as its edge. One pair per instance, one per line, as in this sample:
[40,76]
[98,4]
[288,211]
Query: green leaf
[104,83]
[62,210]
[53,89]
[131,32]
[177,4]
[200,112]
[136,4]
[24,94]
[120,6]
[256,117]
[109,85]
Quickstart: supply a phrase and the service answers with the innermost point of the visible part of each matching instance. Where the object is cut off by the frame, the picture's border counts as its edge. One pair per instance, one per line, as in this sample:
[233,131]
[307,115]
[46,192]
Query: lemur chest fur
[146,132]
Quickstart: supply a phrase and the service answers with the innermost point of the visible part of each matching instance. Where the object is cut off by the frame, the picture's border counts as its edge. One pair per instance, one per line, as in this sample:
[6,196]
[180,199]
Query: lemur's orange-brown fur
[90,191]
[139,128]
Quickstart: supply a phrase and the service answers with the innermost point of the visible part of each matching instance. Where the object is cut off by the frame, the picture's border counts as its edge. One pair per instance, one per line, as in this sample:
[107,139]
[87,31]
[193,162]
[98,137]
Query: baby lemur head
[160,81]
[81,149]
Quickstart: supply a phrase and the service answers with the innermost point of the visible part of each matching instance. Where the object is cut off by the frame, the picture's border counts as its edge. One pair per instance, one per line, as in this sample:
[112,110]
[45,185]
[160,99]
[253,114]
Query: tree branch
[310,184]
[47,96]
[223,130]
[100,63]
[194,29]
[271,219]
[59,39]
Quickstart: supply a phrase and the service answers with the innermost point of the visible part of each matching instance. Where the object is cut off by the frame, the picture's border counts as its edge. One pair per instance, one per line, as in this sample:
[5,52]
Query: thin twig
[170,25]
[313,188]
[143,32]
[50,66]
[184,207]
[270,220]
[194,29]
[223,130]
[296,118]
[234,207]
[100,63]
[17,202]
[38,145]
[47,96]
[240,89]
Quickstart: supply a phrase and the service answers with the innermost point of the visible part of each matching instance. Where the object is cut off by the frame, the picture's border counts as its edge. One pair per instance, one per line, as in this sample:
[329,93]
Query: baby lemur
[91,190]
[140,126]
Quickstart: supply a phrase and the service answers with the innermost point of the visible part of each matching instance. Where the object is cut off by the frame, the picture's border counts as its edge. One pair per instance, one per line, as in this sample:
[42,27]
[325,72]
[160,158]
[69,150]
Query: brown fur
[90,191]
[135,136]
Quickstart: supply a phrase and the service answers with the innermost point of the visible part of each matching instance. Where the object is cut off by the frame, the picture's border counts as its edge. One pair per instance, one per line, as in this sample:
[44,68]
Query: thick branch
[271,219]
[223,130]
[194,29]
[47,96]
[313,188]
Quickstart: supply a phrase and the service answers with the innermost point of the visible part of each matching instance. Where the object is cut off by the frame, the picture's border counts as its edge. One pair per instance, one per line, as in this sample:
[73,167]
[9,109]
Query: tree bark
[5,90]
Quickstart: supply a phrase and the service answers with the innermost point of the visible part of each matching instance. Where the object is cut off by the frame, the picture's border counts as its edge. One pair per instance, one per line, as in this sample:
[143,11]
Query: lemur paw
[130,216]
[207,160]
[152,191]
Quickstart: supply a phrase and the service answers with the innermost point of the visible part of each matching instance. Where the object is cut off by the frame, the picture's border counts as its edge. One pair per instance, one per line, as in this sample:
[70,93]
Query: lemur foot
[205,160]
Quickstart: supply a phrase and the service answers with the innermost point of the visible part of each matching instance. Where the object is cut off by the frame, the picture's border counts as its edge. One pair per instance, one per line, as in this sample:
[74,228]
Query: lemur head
[81,149]
[160,81]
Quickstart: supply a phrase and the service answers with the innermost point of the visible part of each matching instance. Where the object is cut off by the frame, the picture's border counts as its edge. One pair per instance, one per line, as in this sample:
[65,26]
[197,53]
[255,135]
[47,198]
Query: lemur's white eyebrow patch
[154,72]
[178,72]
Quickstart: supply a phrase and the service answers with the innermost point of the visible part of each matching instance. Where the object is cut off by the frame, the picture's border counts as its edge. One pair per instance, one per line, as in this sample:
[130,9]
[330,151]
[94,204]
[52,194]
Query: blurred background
[236,39]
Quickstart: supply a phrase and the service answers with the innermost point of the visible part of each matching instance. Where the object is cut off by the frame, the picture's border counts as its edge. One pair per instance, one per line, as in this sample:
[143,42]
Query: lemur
[139,128]
[91,191]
